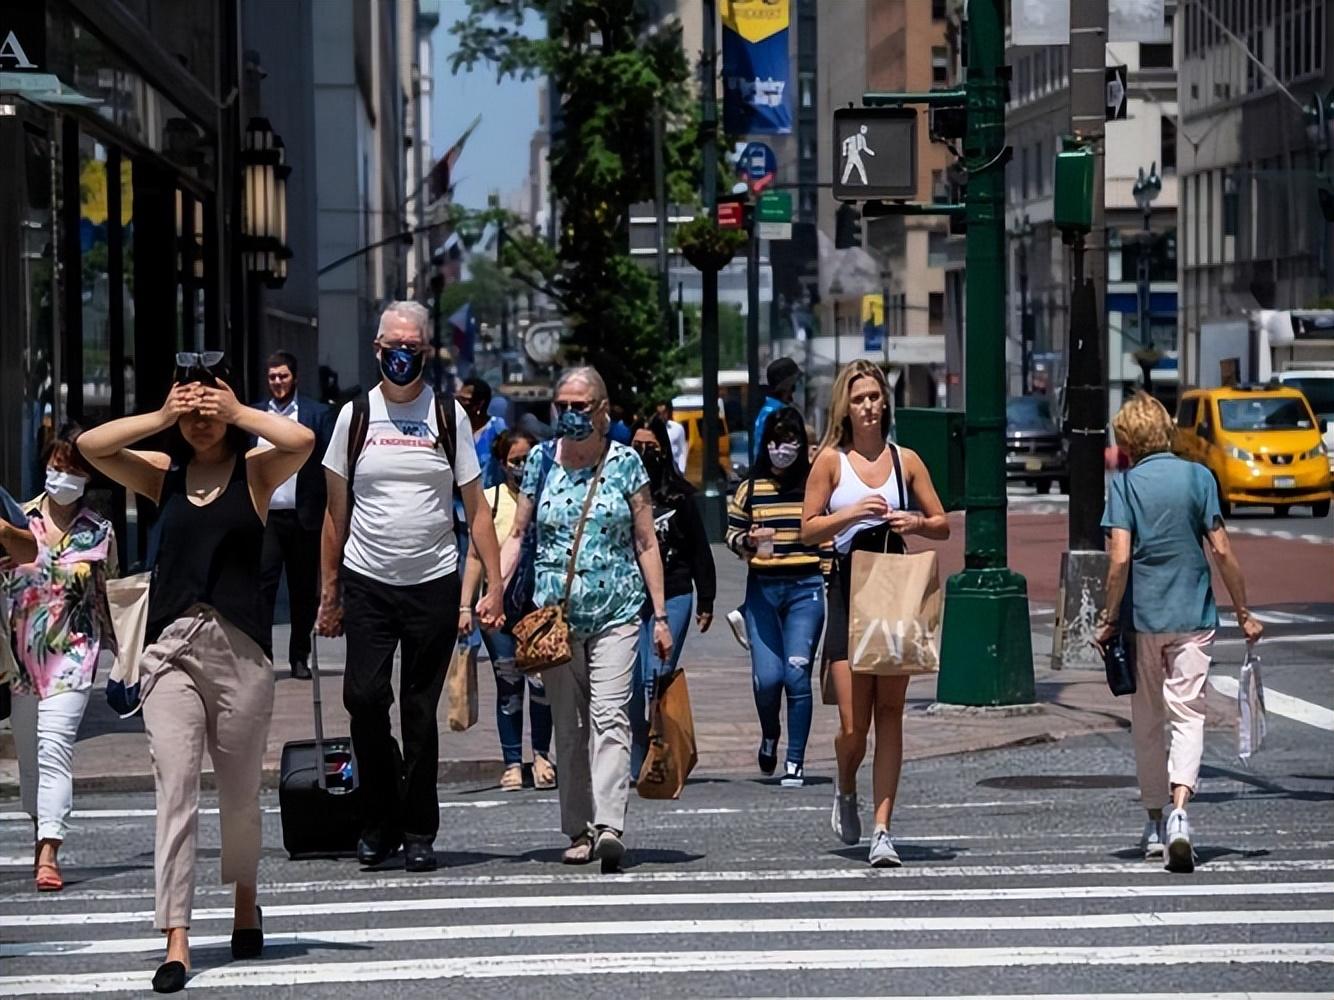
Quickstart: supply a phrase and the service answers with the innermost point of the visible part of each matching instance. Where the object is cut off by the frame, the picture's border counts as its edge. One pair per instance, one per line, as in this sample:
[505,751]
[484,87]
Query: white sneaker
[882,853]
[738,623]
[793,776]
[1151,841]
[845,819]
[1180,855]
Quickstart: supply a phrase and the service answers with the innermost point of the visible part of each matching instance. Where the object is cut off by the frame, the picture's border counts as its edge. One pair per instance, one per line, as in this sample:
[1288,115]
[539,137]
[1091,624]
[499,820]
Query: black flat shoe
[169,978]
[300,671]
[419,856]
[374,850]
[248,942]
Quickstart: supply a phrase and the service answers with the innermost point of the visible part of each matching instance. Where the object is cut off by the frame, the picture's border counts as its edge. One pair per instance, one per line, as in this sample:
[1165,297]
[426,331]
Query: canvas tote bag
[671,743]
[894,609]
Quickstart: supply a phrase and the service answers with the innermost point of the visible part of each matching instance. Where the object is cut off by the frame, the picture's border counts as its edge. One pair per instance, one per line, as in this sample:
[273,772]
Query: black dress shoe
[373,849]
[300,671]
[248,942]
[169,978]
[419,855]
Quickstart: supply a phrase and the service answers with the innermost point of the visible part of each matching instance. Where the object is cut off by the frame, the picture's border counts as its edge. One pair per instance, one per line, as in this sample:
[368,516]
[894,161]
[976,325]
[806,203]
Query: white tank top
[851,490]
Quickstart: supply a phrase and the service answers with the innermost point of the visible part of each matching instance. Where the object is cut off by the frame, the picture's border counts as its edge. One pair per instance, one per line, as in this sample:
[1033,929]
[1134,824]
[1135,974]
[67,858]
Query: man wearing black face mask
[390,578]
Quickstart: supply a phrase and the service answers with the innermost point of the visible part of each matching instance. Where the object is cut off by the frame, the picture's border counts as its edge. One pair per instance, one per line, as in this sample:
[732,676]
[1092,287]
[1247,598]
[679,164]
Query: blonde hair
[1143,426]
[838,433]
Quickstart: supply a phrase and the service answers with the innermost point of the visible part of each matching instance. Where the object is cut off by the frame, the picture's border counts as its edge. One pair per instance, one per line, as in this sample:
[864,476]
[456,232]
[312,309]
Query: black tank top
[209,555]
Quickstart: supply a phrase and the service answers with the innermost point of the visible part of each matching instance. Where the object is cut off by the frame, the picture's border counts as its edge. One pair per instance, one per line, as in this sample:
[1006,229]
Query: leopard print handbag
[542,637]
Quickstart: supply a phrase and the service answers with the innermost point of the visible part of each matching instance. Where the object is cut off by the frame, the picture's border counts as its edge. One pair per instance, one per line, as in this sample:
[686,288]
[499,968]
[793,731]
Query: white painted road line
[109,814]
[1278,703]
[1269,617]
[641,963]
[1326,638]
[880,897]
[861,873]
[669,928]
[1266,995]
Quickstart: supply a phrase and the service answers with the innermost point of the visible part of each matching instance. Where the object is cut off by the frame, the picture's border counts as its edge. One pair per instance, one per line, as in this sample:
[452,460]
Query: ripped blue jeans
[510,684]
[784,618]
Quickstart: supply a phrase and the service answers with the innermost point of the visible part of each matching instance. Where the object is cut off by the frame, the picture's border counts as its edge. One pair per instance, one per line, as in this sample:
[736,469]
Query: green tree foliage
[610,70]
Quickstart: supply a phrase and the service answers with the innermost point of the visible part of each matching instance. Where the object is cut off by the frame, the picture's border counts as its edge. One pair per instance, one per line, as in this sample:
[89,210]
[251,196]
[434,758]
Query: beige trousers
[1172,670]
[213,687]
[590,698]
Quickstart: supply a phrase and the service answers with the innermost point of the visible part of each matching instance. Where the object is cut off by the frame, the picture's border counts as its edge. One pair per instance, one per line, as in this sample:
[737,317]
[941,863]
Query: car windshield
[1264,413]
[1028,412]
[1319,392]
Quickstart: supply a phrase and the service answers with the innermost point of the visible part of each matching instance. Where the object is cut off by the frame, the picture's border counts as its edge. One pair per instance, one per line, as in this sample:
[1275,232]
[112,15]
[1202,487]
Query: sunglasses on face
[200,366]
[577,405]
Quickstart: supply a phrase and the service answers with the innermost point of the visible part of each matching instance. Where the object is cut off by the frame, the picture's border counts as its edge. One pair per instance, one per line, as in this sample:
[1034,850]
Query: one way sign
[1116,93]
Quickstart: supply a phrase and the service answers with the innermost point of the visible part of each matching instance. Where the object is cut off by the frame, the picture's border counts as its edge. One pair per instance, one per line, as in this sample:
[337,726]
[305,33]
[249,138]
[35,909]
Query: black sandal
[248,942]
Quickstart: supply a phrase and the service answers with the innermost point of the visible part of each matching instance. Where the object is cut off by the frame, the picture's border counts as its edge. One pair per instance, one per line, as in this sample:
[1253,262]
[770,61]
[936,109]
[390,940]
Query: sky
[496,155]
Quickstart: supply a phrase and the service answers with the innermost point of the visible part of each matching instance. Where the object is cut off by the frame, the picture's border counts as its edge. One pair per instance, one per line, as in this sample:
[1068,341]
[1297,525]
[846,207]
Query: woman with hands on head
[844,506]
[207,671]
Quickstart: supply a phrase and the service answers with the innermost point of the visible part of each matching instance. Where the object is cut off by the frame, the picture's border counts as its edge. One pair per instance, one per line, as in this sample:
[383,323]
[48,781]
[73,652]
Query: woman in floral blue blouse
[53,595]
[617,568]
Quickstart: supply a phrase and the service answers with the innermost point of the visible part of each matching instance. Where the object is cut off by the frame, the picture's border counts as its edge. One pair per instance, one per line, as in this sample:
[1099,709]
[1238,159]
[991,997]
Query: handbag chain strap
[583,519]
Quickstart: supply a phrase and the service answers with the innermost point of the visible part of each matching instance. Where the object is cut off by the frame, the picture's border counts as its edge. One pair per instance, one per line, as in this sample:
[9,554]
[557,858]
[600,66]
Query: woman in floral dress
[53,595]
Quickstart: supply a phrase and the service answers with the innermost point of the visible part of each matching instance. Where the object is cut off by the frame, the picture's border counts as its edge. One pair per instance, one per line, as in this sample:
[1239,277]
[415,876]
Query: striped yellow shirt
[781,511]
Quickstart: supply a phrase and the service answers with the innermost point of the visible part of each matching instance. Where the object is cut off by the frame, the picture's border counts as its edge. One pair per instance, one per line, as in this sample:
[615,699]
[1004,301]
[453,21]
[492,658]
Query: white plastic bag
[1250,708]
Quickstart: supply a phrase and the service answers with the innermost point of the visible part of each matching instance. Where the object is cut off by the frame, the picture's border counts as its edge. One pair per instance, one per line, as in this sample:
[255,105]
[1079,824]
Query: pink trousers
[1167,711]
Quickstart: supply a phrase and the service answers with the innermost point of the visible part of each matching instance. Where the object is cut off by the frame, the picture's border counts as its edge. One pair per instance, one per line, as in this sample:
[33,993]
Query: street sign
[774,206]
[1116,93]
[756,163]
[731,215]
[875,153]
[773,230]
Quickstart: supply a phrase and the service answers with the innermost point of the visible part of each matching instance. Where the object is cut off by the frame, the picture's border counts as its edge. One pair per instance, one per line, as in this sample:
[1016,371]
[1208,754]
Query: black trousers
[398,793]
[290,547]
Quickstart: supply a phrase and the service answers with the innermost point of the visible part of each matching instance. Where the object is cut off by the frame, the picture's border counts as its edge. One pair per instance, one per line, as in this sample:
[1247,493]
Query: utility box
[1073,205]
[936,435]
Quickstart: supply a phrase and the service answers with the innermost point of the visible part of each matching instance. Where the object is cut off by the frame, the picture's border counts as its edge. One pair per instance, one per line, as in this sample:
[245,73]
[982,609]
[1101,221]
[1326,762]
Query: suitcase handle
[319,711]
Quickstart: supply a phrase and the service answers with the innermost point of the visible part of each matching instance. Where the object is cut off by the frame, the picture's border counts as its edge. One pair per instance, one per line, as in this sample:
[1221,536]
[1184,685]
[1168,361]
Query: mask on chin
[401,365]
[64,488]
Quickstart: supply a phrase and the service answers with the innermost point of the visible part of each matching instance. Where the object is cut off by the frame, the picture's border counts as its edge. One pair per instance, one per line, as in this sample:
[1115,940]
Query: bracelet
[465,611]
[661,619]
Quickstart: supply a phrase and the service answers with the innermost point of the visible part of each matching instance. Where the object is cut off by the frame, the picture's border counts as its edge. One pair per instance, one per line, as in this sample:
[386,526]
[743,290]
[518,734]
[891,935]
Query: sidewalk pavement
[112,754]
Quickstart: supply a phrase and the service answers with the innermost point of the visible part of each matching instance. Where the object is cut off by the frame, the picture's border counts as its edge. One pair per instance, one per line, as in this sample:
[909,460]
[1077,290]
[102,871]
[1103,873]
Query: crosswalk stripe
[1279,703]
[667,928]
[899,897]
[857,874]
[662,961]
[1266,995]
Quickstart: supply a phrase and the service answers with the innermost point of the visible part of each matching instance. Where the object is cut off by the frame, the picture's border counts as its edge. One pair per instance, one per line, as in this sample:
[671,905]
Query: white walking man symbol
[853,147]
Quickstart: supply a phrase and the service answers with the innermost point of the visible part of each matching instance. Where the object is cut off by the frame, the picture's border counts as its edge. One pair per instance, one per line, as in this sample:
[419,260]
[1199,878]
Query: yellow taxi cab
[1262,445]
[688,411]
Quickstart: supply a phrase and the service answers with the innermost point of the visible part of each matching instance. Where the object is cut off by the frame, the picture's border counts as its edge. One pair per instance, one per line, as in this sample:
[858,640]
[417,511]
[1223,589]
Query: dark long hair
[671,487]
[238,442]
[786,424]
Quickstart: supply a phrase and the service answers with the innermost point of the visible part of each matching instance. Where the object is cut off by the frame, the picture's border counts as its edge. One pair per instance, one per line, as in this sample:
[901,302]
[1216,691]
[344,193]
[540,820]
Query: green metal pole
[986,647]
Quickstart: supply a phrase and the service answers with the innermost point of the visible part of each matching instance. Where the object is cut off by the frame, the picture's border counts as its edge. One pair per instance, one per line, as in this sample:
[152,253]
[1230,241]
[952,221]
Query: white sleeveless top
[851,490]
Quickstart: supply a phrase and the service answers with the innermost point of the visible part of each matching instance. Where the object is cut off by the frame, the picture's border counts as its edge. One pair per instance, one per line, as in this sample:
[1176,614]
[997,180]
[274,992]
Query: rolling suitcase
[317,789]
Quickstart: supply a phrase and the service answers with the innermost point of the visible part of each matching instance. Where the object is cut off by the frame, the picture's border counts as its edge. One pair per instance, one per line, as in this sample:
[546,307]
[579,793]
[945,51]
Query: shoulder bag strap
[583,519]
[898,478]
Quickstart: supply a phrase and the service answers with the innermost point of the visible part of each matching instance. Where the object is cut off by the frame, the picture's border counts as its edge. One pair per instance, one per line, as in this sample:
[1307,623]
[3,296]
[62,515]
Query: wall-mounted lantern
[264,204]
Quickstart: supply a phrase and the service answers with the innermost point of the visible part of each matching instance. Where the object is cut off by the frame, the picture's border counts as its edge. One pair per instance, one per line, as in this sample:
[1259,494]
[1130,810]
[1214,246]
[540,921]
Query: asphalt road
[1021,876]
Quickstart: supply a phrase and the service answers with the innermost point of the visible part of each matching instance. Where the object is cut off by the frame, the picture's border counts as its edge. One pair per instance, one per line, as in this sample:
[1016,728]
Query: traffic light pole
[753,331]
[986,654]
[713,499]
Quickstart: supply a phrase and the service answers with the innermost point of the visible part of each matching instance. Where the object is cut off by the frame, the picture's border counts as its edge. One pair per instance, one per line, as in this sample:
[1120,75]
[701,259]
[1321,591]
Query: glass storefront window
[95,280]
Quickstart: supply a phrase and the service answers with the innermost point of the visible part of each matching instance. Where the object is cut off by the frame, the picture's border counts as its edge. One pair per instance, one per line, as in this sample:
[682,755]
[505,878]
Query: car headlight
[1315,452]
[1240,454]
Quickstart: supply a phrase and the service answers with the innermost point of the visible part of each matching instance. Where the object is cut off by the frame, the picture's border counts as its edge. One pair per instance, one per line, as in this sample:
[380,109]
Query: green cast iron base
[986,650]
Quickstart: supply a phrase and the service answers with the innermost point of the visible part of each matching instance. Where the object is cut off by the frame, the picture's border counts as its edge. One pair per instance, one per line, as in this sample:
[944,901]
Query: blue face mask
[401,365]
[575,426]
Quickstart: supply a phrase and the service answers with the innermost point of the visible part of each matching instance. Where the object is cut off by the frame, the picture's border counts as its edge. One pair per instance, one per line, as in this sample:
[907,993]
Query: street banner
[1047,22]
[755,67]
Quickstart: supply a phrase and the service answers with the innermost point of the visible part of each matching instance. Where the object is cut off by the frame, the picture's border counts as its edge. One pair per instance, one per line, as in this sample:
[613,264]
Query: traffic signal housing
[847,227]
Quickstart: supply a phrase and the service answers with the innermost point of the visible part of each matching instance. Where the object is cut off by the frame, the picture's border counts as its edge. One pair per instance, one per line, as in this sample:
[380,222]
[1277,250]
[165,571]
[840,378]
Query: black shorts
[840,587]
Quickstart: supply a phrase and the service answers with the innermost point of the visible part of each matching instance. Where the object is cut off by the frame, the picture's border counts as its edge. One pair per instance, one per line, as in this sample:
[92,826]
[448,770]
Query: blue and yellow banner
[755,67]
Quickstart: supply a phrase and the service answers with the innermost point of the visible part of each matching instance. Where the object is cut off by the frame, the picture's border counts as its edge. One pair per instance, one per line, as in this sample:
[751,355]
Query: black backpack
[446,436]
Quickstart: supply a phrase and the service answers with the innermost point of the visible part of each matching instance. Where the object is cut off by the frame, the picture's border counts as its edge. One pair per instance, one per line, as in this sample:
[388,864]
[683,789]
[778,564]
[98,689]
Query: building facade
[1254,235]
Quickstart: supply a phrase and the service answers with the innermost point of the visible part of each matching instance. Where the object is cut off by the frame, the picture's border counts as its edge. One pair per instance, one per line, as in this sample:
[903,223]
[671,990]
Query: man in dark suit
[296,514]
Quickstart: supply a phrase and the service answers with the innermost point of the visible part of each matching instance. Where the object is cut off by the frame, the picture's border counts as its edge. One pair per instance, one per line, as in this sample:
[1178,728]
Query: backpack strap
[446,428]
[356,443]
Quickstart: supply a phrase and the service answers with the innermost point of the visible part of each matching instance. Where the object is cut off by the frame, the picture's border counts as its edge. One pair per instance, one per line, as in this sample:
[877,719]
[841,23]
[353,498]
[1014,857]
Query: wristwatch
[661,619]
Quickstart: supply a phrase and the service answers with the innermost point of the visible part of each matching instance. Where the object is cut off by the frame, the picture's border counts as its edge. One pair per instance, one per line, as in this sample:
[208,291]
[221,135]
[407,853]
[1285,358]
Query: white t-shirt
[284,497]
[676,436]
[402,529]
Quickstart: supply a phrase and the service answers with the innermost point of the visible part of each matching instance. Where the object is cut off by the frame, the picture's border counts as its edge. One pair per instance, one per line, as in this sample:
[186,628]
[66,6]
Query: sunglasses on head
[577,405]
[200,366]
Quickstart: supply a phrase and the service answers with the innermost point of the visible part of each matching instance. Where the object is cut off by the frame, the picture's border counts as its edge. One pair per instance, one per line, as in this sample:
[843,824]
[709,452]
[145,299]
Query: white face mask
[64,488]
[783,455]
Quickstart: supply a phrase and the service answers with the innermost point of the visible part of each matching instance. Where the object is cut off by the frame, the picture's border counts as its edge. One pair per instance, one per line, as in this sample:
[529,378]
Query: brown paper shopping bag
[894,617]
[671,748]
[461,689]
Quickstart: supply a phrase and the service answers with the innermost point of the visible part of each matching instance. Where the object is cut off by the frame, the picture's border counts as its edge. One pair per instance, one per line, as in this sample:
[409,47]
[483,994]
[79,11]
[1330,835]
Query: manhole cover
[1031,782]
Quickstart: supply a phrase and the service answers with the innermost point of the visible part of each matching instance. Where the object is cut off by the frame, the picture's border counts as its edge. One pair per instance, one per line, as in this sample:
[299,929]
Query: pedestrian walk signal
[875,153]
